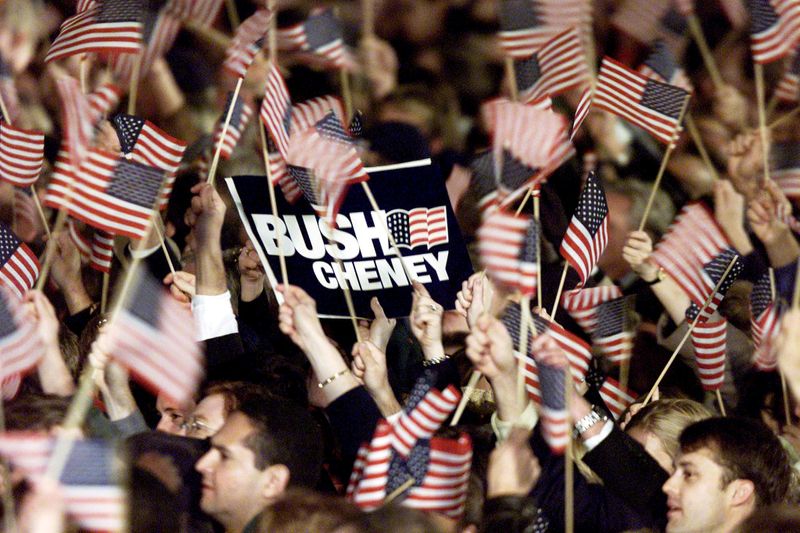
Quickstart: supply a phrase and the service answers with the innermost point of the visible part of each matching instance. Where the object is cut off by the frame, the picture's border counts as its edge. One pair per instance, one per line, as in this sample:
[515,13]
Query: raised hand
[426,322]
[513,469]
[182,286]
[369,367]
[251,273]
[746,163]
[490,349]
[475,297]
[729,213]
[380,329]
[637,251]
[297,317]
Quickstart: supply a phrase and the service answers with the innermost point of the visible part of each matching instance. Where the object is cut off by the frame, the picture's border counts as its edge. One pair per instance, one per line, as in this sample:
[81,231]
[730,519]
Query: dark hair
[306,510]
[745,449]
[36,411]
[233,393]
[776,518]
[153,507]
[284,434]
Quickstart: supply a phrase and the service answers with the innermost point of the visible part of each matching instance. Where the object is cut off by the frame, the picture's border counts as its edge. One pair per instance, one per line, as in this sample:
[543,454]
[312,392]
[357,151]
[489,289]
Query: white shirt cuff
[526,420]
[142,254]
[213,315]
[592,442]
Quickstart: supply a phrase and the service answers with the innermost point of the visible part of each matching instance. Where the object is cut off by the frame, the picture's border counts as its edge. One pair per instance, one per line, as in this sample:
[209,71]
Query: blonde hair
[666,420]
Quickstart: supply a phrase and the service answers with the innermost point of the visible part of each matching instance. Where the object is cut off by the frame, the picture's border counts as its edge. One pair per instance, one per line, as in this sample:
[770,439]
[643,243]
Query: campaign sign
[415,208]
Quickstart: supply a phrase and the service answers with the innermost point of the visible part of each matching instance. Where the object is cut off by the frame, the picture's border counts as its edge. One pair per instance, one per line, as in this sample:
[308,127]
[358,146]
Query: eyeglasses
[194,426]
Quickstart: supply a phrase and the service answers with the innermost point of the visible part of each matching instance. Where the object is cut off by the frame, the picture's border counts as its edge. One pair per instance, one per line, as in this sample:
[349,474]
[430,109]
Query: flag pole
[525,317]
[133,89]
[84,67]
[347,94]
[473,382]
[4,109]
[511,76]
[708,59]
[569,475]
[701,147]
[104,292]
[762,117]
[233,14]
[157,229]
[796,295]
[718,394]
[212,173]
[773,295]
[662,168]
[536,214]
[689,331]
[560,288]
[785,118]
[273,203]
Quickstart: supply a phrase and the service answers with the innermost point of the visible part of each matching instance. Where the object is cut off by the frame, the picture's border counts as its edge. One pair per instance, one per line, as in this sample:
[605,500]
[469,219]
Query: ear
[742,492]
[275,479]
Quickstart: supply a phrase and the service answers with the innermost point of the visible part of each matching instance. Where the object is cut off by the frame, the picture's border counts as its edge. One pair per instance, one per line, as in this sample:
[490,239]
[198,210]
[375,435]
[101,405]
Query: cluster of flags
[602,312]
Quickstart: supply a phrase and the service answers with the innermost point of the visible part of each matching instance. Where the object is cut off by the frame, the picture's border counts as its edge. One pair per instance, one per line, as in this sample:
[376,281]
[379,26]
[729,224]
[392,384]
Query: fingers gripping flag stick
[552,364]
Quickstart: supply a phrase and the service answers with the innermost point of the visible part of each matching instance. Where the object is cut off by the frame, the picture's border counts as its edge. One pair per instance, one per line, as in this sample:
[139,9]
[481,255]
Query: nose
[670,485]
[204,464]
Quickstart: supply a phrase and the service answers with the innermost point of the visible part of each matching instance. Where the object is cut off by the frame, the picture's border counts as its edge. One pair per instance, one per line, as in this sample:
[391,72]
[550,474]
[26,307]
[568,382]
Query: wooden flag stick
[347,95]
[689,331]
[624,373]
[771,105]
[407,484]
[473,382]
[84,67]
[558,293]
[773,294]
[718,394]
[233,14]
[4,109]
[663,167]
[701,147]
[162,242]
[785,118]
[524,201]
[273,203]
[368,18]
[762,117]
[50,248]
[708,58]
[525,318]
[796,295]
[511,76]
[348,297]
[374,204]
[104,293]
[536,214]
[133,90]
[212,173]
[569,476]
[39,210]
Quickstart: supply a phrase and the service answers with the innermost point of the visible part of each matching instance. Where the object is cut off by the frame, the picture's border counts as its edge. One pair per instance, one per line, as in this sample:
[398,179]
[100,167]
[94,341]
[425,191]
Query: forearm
[119,401]
[672,297]
[509,403]
[385,400]
[53,373]
[76,297]
[327,362]
[783,249]
[210,270]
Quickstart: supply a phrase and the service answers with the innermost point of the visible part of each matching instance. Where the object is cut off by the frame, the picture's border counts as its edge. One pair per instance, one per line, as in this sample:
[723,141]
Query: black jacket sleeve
[512,514]
[353,417]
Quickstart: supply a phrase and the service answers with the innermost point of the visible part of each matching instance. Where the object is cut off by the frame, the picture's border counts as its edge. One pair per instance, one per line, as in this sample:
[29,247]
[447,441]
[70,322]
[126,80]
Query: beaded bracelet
[331,379]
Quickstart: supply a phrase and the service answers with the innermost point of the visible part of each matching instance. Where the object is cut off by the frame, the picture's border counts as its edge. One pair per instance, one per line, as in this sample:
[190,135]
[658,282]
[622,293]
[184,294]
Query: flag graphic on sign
[421,226]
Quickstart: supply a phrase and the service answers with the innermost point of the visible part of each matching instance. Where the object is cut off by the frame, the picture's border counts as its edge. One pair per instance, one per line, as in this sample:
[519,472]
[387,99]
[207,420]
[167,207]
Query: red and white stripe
[243,48]
[104,100]
[81,34]
[232,134]
[765,329]
[581,249]
[579,354]
[23,347]
[274,108]
[102,251]
[369,490]
[615,397]
[581,112]
[709,341]
[554,17]
[444,488]
[20,271]
[81,242]
[778,40]
[488,110]
[424,420]
[306,114]
[642,20]
[501,239]
[563,66]
[162,37]
[581,304]
[76,119]
[21,155]
[530,134]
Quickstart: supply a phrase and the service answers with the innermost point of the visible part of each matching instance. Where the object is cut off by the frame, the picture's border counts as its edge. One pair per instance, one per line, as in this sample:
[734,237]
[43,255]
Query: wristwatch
[660,275]
[587,422]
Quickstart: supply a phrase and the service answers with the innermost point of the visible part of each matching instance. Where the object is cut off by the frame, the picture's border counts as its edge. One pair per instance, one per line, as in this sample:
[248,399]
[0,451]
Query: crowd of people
[272,436]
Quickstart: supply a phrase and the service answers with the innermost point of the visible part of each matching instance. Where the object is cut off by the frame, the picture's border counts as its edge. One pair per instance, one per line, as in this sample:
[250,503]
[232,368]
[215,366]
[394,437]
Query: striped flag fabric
[709,342]
[199,12]
[19,267]
[276,109]
[785,167]
[103,100]
[102,251]
[159,31]
[507,247]
[527,25]
[764,323]
[421,226]
[774,28]
[578,352]
[280,175]
[616,398]
[488,110]
[367,485]
[306,114]
[110,27]
[692,252]
[653,106]
[81,242]
[648,20]
[91,482]
[711,273]
[112,194]
[76,120]
[482,181]
[247,43]
[582,110]
[240,118]
[511,320]
[788,87]
[21,345]
[662,66]
[423,413]
[153,336]
[21,155]
[587,234]
[529,134]
[552,366]
[321,36]
[603,313]
[142,141]
[560,65]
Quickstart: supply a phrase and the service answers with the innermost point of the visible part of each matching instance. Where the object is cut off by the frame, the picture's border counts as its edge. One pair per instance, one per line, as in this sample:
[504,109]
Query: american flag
[110,26]
[587,234]
[8,91]
[531,135]
[648,20]
[654,106]
[615,397]
[102,251]
[83,5]
[143,142]
[280,174]
[785,165]
[200,12]
[774,28]
[712,274]
[511,320]
[103,100]
[276,109]
[483,183]
[240,118]
[421,226]
[160,29]
[423,413]
[555,418]
[21,345]
[247,43]
[19,267]
[27,222]
[321,36]
[21,155]
[602,312]
[582,110]
[764,323]
[557,67]
[788,87]
[708,340]
[111,194]
[81,242]
[692,252]
[661,66]
[76,120]
[578,352]
[527,25]
[439,466]
[488,110]
[91,482]
[507,246]
[306,114]
[153,336]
